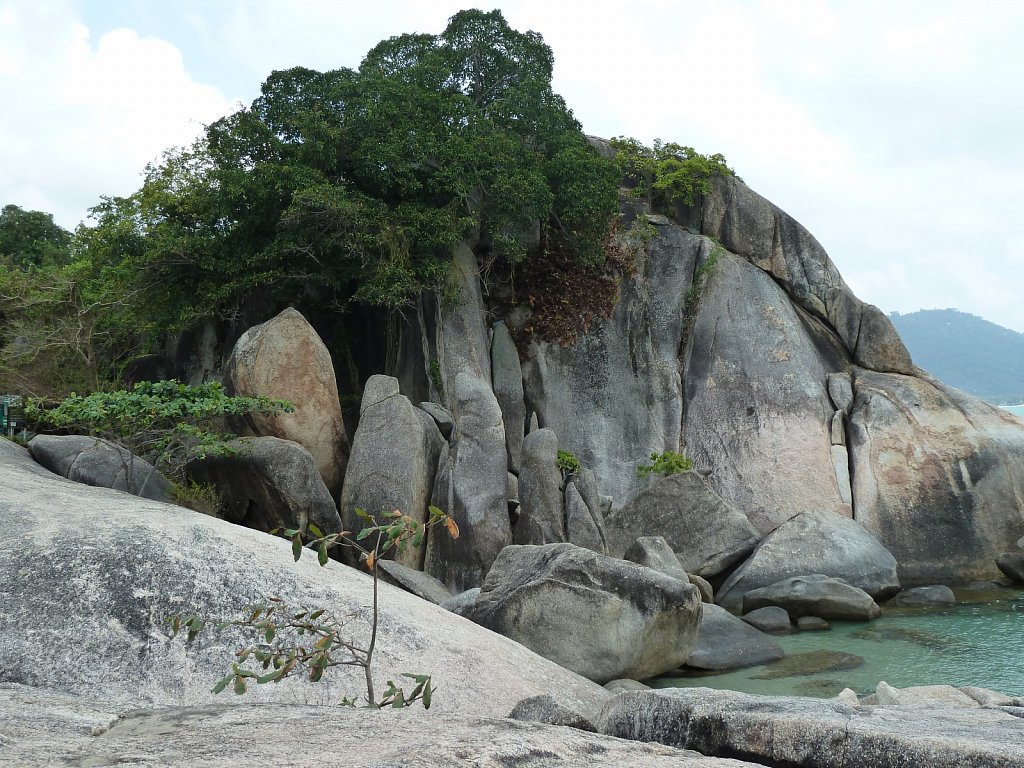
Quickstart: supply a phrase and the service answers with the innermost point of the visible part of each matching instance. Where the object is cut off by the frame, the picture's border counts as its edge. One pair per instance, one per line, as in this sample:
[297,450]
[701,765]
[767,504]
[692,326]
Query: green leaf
[427,692]
[240,685]
[297,547]
[321,554]
[269,634]
[222,684]
[316,531]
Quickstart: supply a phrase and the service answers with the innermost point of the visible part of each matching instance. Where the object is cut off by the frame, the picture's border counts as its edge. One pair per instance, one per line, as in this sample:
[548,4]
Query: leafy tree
[32,238]
[165,421]
[666,173]
[358,182]
[667,463]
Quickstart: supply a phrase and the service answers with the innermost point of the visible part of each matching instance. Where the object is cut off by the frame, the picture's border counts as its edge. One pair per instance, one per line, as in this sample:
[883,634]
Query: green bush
[667,463]
[567,462]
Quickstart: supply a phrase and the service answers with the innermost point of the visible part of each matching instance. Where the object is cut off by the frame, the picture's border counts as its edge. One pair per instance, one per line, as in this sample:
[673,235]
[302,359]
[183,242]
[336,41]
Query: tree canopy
[32,238]
[360,181]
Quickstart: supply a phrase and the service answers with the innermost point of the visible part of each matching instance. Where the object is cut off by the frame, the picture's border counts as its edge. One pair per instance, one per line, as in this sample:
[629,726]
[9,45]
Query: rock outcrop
[815,733]
[541,517]
[725,642]
[89,575]
[816,542]
[815,595]
[285,358]
[266,483]
[600,617]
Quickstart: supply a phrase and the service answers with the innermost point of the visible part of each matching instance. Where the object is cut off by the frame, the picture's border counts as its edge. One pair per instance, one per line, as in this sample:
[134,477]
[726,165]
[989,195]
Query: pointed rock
[507,376]
[541,518]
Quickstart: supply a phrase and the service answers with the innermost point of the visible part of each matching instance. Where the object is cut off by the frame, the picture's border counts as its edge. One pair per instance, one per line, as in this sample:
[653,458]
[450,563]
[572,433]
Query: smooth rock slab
[1012,566]
[770,619]
[39,729]
[934,594]
[815,595]
[601,617]
[816,733]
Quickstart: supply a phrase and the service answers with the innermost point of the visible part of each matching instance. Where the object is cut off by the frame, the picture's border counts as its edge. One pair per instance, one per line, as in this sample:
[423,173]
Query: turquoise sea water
[972,643]
[1016,410]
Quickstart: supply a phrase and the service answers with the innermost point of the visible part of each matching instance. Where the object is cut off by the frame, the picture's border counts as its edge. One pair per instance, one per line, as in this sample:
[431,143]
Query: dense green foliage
[166,422]
[32,238]
[667,463]
[666,173]
[567,462]
[966,352]
[358,182]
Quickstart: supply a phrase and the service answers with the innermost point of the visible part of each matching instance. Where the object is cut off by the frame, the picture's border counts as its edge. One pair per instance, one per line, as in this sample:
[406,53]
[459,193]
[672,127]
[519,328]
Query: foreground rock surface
[816,733]
[601,617]
[43,729]
[89,617]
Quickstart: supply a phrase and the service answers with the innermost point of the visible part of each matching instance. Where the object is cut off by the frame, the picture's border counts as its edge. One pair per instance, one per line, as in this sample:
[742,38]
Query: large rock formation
[284,358]
[598,616]
[88,577]
[394,456]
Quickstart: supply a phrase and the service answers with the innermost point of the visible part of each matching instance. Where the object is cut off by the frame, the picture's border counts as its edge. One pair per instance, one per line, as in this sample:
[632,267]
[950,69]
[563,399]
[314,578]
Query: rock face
[725,642]
[706,532]
[471,488]
[937,476]
[395,452]
[654,552]
[266,483]
[92,461]
[615,396]
[815,733]
[507,376]
[285,358]
[143,561]
[757,405]
[816,542]
[541,519]
[815,595]
[600,617]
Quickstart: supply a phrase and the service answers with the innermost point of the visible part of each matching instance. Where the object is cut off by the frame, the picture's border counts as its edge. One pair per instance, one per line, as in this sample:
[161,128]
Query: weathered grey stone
[921,696]
[707,592]
[507,378]
[840,391]
[417,582]
[472,490]
[726,642]
[582,527]
[839,428]
[92,461]
[1012,566]
[602,617]
[749,225]
[934,594]
[442,418]
[545,709]
[770,619]
[462,340]
[266,483]
[986,697]
[41,728]
[134,562]
[462,603]
[394,456]
[841,465]
[615,395]
[816,542]
[285,358]
[815,595]
[707,533]
[654,552]
[625,684]
[812,624]
[815,733]
[936,476]
[541,519]
[757,409]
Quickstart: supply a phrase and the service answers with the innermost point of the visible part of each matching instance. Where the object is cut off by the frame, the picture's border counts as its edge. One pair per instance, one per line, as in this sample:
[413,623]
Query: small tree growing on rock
[293,638]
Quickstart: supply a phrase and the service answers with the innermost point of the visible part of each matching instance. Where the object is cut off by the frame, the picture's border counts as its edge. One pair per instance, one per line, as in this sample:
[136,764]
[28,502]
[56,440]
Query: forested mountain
[966,351]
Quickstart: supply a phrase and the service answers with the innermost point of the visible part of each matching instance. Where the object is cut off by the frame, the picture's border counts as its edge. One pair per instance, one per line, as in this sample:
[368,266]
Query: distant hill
[966,352]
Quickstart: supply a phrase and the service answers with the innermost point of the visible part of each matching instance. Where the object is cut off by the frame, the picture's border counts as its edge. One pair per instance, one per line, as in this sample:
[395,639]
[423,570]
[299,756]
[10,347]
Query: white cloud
[90,114]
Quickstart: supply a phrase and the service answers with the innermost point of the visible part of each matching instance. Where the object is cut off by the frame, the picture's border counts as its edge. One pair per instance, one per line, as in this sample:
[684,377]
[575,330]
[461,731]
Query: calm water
[967,644]
[1016,410]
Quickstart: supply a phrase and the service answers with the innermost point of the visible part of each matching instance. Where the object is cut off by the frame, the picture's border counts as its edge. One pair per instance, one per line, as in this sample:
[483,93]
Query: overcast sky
[892,129]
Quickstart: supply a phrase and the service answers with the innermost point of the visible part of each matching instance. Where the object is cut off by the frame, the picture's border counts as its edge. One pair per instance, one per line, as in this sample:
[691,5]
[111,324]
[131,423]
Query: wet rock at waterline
[601,617]
[726,642]
[815,595]
[815,542]
[707,533]
[1011,564]
[770,619]
[285,358]
[267,483]
[935,594]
